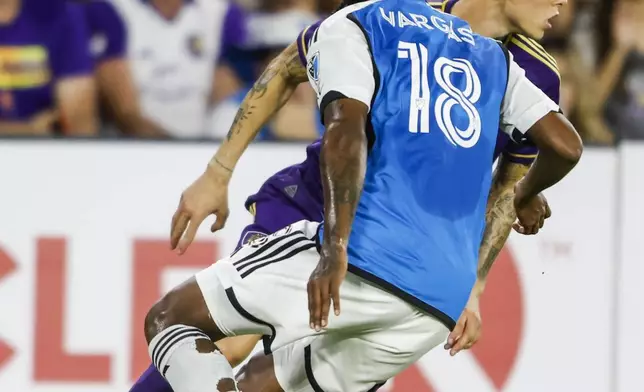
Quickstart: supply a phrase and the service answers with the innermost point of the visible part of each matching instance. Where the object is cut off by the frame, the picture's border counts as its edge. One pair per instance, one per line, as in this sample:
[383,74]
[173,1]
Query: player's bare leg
[181,334]
[237,348]
[258,375]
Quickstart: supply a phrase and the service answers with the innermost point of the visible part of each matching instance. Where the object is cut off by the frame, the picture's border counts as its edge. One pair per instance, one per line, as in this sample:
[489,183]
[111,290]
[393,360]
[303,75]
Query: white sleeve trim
[524,104]
[339,60]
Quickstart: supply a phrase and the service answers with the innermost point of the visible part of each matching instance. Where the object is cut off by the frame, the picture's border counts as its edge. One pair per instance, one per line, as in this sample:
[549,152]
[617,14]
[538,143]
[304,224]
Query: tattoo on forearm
[218,162]
[499,219]
[343,185]
[287,66]
[343,173]
[261,85]
[343,161]
[244,111]
[296,71]
[500,215]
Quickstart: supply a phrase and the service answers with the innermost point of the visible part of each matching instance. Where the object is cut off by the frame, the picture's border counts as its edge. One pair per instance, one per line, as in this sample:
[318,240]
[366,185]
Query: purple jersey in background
[109,34]
[295,193]
[108,37]
[47,41]
[234,31]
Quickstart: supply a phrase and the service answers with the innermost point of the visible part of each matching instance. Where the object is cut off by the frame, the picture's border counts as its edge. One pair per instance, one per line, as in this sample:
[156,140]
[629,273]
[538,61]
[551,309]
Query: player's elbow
[556,135]
[569,146]
[572,151]
[345,122]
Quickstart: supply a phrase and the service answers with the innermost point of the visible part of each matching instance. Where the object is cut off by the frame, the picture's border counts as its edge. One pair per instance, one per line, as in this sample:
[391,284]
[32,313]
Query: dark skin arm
[560,149]
[343,162]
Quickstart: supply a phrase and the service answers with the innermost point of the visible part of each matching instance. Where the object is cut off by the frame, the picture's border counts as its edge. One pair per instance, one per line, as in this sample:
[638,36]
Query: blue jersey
[435,92]
[304,177]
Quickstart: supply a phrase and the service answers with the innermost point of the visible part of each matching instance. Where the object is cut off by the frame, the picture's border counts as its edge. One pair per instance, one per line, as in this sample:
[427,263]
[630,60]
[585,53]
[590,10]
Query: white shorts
[261,289]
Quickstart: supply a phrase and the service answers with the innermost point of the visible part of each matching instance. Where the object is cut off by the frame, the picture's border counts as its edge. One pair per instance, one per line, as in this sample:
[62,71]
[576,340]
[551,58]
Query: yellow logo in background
[23,67]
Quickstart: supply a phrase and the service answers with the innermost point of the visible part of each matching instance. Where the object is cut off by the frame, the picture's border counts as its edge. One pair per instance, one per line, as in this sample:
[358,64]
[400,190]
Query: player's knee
[161,315]
[182,305]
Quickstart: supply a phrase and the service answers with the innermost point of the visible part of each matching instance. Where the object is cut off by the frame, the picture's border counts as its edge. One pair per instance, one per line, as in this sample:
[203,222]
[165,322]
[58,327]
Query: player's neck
[486,17]
[9,10]
[169,9]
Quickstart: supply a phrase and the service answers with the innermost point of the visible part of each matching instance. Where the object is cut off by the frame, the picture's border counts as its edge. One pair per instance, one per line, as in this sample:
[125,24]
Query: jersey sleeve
[339,63]
[303,40]
[541,69]
[523,105]
[107,30]
[234,32]
[71,55]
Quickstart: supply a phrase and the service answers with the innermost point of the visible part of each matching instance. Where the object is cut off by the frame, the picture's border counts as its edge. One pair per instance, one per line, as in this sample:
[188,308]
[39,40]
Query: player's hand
[43,122]
[627,26]
[468,328]
[324,284]
[531,211]
[207,195]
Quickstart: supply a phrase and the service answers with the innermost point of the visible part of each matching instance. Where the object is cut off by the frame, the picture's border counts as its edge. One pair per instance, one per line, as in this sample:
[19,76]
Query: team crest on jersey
[195,45]
[313,69]
[291,190]
[252,238]
[98,44]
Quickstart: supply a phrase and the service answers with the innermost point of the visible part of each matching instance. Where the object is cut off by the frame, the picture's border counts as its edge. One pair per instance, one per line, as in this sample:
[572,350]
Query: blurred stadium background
[108,110]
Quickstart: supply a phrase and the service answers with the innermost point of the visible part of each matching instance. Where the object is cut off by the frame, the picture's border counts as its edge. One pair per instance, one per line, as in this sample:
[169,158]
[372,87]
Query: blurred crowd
[180,68]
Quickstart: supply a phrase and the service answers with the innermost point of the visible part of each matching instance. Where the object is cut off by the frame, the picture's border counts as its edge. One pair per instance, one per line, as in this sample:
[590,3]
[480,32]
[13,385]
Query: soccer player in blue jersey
[295,193]
[411,113]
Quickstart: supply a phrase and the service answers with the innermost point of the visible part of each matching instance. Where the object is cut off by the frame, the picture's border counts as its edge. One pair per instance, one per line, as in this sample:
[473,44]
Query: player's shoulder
[101,11]
[340,18]
[53,14]
[531,55]
[339,24]
[98,5]
[439,5]
[304,40]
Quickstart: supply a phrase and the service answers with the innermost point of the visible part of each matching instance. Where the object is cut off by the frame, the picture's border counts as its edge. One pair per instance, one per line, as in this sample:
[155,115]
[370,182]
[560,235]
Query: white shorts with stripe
[261,289]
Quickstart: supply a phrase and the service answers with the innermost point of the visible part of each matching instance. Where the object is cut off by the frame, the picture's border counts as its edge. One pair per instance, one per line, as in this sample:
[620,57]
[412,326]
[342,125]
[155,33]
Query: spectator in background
[268,35]
[175,48]
[112,72]
[46,82]
[620,76]
[326,7]
[571,49]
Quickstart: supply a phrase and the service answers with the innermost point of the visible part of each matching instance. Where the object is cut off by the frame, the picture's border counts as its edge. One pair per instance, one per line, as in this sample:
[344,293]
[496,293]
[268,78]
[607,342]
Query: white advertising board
[84,252]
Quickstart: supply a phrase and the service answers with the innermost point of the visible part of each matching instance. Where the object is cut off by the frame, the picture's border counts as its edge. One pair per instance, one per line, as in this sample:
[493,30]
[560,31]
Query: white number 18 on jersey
[419,104]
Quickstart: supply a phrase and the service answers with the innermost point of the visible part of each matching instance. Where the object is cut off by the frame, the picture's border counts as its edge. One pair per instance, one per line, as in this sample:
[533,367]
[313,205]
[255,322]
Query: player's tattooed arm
[343,161]
[267,96]
[500,215]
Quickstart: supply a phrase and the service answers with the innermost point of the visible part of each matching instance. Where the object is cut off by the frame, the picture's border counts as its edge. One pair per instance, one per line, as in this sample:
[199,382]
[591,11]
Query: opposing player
[419,220]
